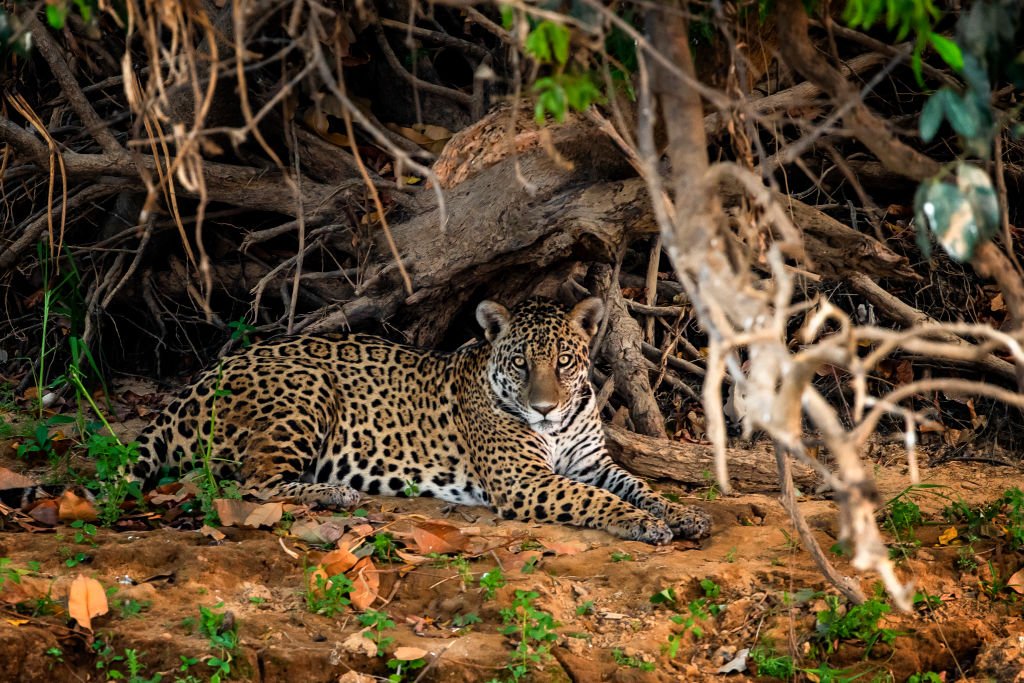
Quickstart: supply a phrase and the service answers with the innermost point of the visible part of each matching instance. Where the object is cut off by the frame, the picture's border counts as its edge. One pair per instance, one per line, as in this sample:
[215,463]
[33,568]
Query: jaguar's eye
[519,362]
[565,360]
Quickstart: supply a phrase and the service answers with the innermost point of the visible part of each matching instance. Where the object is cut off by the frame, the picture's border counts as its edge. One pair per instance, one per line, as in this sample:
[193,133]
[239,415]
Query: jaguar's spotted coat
[511,423]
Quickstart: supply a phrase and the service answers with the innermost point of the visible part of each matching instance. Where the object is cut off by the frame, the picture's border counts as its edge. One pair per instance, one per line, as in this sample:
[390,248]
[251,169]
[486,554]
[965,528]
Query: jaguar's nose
[543,407]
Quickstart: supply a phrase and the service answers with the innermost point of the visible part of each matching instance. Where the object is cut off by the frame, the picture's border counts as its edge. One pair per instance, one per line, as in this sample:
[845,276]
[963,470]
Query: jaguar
[509,422]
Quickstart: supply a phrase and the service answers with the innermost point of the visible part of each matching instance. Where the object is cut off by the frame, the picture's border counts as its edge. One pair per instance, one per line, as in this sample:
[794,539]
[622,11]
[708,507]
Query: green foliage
[327,595]
[130,666]
[621,557]
[548,43]
[220,630]
[859,623]
[491,581]
[209,487]
[384,548]
[400,668]
[558,93]
[903,515]
[534,629]
[925,677]
[240,330]
[1006,512]
[465,620]
[633,662]
[411,489]
[585,607]
[770,664]
[377,623]
[904,16]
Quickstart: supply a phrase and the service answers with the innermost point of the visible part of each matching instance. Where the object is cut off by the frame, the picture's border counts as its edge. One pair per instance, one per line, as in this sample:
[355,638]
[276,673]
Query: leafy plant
[534,629]
[240,330]
[327,595]
[220,629]
[411,489]
[631,661]
[925,677]
[586,607]
[491,581]
[771,664]
[384,548]
[859,623]
[465,620]
[621,557]
[377,623]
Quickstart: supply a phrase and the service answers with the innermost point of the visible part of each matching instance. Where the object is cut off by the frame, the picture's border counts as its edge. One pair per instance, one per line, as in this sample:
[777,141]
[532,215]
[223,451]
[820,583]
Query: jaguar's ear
[493,317]
[587,316]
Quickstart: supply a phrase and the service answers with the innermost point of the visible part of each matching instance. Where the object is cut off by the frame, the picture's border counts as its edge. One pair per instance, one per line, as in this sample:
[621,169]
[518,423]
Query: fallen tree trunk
[749,468]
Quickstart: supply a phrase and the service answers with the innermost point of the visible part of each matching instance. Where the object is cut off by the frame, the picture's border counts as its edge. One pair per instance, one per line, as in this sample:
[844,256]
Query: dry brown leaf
[411,558]
[1016,581]
[86,599]
[366,583]
[212,532]
[357,643]
[438,537]
[948,536]
[73,508]
[338,561]
[9,479]
[45,512]
[568,548]
[25,589]
[407,654]
[246,514]
[16,622]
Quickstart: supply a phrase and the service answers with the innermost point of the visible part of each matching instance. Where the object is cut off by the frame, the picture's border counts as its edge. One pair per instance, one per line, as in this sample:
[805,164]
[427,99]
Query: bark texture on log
[749,468]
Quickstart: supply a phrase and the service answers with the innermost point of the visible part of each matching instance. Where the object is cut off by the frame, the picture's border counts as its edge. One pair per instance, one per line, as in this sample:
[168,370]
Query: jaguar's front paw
[687,521]
[646,528]
[339,496]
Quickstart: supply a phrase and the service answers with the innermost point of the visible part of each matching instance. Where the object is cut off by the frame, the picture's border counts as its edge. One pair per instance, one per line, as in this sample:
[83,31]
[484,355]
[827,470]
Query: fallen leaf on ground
[357,643]
[567,548]
[407,654]
[86,599]
[947,536]
[16,622]
[46,512]
[9,479]
[1016,582]
[212,532]
[438,537]
[366,583]
[338,561]
[243,513]
[73,508]
[24,589]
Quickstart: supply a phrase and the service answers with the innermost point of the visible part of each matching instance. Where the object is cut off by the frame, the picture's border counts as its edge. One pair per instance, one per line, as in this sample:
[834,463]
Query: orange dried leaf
[948,536]
[10,479]
[212,532]
[338,561]
[438,537]
[1016,582]
[243,513]
[569,548]
[366,583]
[86,599]
[73,508]
[408,654]
[45,512]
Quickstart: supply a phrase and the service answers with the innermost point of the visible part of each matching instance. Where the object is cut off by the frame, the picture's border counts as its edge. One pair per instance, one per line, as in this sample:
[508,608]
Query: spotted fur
[511,423]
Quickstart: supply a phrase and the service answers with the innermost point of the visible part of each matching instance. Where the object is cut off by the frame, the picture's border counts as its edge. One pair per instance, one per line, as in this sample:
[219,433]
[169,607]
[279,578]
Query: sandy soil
[252,575]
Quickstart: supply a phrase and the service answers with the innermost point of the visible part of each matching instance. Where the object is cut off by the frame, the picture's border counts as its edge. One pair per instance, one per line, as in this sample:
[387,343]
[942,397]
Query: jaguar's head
[540,358]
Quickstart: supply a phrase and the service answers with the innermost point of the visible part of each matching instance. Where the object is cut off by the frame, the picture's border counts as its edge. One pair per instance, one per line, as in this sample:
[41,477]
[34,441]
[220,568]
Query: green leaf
[56,15]
[948,213]
[537,44]
[964,116]
[948,50]
[508,16]
[933,113]
[559,37]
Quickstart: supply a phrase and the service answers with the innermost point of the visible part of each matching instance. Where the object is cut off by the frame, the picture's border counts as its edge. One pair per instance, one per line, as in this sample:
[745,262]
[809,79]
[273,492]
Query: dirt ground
[609,629]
